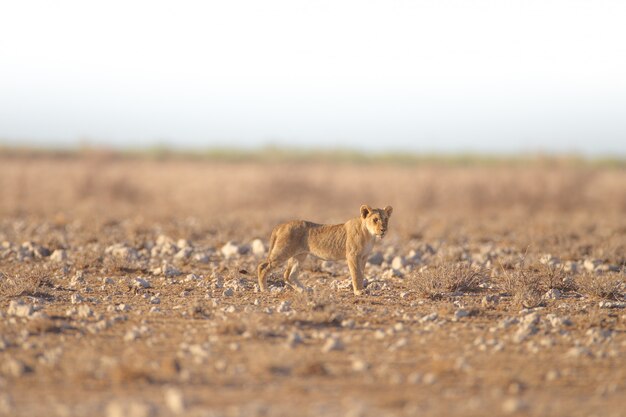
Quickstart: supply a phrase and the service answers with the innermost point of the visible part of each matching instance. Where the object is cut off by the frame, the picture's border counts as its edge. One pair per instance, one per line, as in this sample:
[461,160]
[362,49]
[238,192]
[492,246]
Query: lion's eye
[375,220]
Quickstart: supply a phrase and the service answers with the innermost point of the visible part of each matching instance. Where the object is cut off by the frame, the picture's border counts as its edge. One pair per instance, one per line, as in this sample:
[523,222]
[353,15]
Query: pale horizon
[422,77]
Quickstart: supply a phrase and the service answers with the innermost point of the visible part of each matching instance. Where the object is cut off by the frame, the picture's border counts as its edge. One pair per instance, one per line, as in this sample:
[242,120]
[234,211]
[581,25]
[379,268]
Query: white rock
[76,298]
[14,367]
[392,273]
[84,311]
[359,365]
[591,264]
[183,243]
[332,343]
[530,319]
[59,255]
[429,379]
[294,339]
[140,283]
[155,300]
[230,249]
[284,307]
[121,250]
[429,317]
[184,253]
[398,262]
[129,408]
[612,304]
[18,308]
[191,277]
[348,323]
[552,294]
[202,258]
[174,400]
[556,321]
[258,247]
[513,405]
[578,351]
[169,270]
[131,335]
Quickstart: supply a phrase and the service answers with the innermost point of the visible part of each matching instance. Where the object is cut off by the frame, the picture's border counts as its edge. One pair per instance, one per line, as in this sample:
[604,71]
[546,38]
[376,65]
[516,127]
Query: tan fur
[352,240]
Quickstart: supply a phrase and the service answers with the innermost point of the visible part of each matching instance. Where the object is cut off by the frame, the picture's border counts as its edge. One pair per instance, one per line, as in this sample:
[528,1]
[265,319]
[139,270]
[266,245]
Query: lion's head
[376,220]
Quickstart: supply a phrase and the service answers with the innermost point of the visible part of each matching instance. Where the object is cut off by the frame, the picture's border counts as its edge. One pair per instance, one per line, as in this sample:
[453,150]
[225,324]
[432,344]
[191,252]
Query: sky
[422,76]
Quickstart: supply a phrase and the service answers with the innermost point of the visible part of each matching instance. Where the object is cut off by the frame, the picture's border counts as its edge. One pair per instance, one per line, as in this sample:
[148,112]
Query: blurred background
[484,77]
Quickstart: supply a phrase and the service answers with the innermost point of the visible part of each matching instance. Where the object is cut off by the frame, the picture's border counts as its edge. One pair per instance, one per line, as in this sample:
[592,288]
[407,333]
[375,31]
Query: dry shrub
[524,285]
[434,283]
[609,286]
[554,277]
[528,284]
[24,284]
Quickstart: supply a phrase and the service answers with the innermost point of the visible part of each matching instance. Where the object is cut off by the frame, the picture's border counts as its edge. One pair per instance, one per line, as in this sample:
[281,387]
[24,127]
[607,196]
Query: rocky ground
[128,288]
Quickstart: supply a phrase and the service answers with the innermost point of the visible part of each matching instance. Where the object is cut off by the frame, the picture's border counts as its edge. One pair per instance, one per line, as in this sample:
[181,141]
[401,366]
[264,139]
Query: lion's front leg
[356,272]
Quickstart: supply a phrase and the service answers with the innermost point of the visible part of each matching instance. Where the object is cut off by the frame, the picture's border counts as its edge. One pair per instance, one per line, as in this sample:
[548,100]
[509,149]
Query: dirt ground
[499,289]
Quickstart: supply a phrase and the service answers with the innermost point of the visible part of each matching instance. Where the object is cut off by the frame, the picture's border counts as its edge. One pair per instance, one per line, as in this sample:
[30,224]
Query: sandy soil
[499,289]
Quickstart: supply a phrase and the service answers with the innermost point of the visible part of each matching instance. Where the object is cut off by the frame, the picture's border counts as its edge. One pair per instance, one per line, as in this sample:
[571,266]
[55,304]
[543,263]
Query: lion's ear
[389,210]
[365,210]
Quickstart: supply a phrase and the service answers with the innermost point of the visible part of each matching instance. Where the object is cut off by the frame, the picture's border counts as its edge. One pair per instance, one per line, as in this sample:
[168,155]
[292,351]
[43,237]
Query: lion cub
[352,241]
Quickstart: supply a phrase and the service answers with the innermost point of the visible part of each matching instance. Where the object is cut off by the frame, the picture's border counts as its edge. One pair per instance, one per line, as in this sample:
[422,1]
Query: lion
[352,241]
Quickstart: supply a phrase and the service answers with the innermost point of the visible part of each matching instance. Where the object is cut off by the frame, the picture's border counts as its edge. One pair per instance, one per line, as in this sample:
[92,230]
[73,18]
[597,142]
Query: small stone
[169,270]
[294,339]
[184,253]
[490,300]
[131,408]
[202,258]
[591,264]
[228,292]
[612,304]
[174,400]
[84,311]
[513,405]
[429,379]
[120,250]
[284,307]
[332,343]
[460,313]
[552,375]
[140,283]
[155,300]
[18,308]
[429,317]
[230,249]
[398,263]
[14,367]
[59,255]
[258,247]
[348,323]
[392,273]
[131,335]
[552,294]
[192,277]
[76,298]
[359,365]
[578,351]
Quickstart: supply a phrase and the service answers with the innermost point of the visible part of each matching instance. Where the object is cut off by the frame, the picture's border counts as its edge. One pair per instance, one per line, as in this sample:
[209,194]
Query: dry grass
[435,282]
[608,286]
